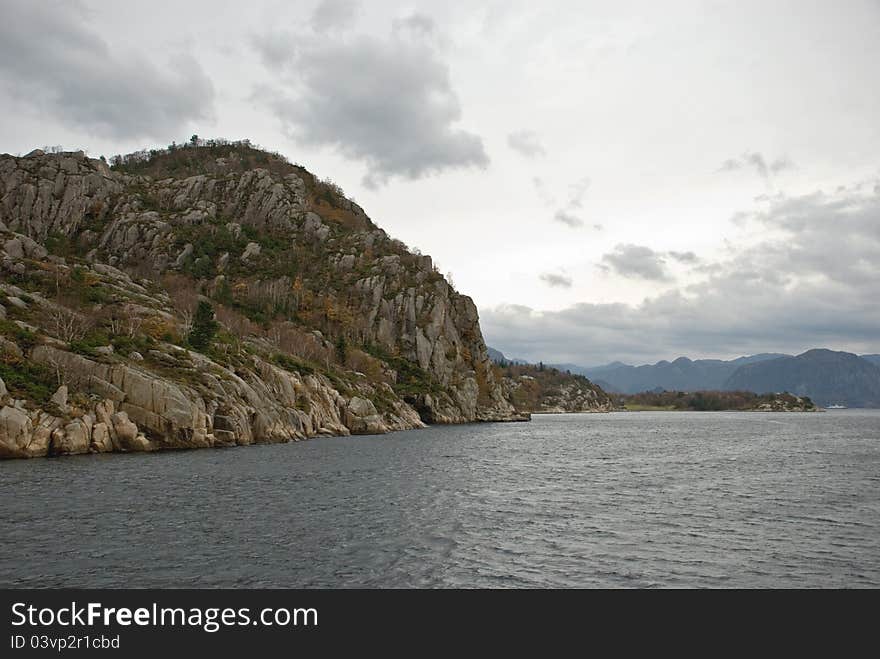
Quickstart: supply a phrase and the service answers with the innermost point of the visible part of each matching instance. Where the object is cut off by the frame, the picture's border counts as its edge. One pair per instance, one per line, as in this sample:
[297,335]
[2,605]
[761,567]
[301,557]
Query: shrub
[27,379]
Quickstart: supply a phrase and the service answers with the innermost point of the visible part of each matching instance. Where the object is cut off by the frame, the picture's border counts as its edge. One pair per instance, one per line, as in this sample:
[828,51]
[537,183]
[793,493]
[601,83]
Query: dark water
[638,499]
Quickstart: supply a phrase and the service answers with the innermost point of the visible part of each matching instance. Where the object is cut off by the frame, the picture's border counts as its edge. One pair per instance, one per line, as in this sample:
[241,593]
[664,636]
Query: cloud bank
[388,103]
[52,60]
[812,283]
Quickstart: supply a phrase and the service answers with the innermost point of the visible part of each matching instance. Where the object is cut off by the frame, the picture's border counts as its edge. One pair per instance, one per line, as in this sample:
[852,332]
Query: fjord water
[658,499]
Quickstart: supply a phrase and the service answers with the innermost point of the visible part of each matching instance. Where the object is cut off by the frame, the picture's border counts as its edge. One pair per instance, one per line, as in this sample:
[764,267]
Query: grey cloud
[577,191]
[756,161]
[334,15]
[567,214]
[812,285]
[781,164]
[568,219]
[417,24]
[636,261]
[51,59]
[526,143]
[683,257]
[541,188]
[387,103]
[556,280]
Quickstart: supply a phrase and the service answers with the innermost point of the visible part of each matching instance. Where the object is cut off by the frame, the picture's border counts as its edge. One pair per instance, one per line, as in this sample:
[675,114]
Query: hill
[215,294]
[826,376]
[543,389]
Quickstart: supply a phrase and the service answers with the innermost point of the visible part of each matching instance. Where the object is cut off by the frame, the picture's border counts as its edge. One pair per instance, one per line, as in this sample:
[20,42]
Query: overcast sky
[607,180]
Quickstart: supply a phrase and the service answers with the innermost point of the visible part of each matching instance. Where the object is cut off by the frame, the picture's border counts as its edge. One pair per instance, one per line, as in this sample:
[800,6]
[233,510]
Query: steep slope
[327,325]
[826,376]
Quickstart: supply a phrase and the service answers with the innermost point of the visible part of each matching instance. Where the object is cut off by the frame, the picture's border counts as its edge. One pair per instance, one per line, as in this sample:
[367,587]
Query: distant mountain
[828,377]
[683,374]
[605,386]
[874,359]
[498,357]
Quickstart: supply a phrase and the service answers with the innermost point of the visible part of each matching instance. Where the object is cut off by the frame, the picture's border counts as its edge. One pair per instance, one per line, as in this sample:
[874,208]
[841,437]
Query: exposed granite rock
[134,230]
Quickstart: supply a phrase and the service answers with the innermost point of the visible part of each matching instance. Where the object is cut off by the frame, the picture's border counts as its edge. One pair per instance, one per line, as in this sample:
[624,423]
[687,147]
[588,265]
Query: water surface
[659,499]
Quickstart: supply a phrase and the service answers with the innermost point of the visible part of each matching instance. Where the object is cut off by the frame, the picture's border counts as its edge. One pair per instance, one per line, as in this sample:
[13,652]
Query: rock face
[328,326]
[551,391]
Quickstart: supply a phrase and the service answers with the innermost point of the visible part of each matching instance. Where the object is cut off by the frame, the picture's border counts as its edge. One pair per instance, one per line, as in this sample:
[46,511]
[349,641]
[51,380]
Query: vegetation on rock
[212,294]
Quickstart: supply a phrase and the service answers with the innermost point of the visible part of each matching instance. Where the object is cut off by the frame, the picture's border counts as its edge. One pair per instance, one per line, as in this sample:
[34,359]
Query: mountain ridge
[828,377]
[684,374]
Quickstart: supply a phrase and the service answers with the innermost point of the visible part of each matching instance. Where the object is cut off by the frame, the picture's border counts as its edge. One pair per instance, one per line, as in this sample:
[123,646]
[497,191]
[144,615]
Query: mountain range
[826,376]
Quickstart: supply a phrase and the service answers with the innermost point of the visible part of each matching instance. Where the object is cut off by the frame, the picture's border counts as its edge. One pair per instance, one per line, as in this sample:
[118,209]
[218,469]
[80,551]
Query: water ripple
[621,500]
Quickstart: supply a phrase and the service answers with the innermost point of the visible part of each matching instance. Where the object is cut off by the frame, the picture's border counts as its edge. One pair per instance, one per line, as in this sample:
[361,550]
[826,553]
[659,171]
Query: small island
[714,401]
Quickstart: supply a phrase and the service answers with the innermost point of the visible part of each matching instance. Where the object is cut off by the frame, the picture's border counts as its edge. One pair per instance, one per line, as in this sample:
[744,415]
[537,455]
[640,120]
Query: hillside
[828,377]
[545,389]
[215,294]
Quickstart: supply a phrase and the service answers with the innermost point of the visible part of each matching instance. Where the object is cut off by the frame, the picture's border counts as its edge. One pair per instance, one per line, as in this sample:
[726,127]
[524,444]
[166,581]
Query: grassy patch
[635,407]
[292,364]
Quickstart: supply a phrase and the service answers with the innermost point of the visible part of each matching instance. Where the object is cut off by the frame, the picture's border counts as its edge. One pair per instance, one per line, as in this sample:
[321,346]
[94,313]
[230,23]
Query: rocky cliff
[548,390]
[326,324]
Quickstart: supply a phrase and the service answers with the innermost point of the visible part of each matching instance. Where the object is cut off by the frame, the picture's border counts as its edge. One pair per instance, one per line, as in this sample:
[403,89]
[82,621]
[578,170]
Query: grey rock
[60,397]
[14,248]
[252,250]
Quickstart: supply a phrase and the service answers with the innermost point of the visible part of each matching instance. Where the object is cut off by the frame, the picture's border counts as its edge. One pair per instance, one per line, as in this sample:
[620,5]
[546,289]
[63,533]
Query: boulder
[16,430]
[101,442]
[73,439]
[14,248]
[59,398]
[252,250]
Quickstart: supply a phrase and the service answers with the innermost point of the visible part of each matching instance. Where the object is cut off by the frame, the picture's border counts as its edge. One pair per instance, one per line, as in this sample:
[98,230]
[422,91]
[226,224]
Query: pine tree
[204,326]
[341,350]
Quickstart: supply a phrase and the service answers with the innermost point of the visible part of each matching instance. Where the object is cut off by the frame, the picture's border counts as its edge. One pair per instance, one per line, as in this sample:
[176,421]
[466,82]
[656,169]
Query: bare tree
[184,297]
[68,325]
